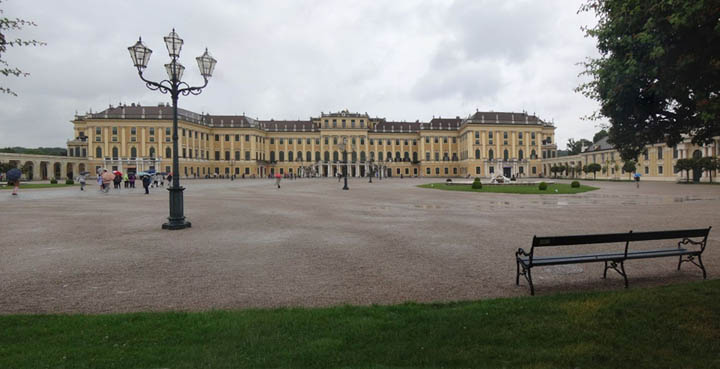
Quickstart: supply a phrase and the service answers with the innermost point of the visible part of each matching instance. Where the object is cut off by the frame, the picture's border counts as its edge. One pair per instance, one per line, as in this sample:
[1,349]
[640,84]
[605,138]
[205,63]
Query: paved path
[312,244]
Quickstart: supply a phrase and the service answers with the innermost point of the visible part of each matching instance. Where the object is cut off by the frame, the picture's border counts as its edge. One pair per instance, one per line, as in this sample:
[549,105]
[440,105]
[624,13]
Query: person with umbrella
[117,181]
[146,183]
[13,176]
[637,180]
[278,177]
[107,178]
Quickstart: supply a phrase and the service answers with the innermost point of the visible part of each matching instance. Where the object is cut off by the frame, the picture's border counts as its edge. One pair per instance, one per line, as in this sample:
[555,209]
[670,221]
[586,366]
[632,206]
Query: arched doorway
[57,169]
[69,172]
[44,172]
[28,169]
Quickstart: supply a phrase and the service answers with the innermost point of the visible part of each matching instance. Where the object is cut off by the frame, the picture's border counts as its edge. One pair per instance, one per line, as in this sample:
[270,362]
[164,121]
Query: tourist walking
[278,177]
[107,178]
[637,180]
[13,176]
[146,183]
[169,180]
[82,179]
[131,178]
[155,180]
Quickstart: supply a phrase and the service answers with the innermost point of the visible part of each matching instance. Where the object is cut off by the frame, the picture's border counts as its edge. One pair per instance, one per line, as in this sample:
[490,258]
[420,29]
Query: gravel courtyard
[312,244]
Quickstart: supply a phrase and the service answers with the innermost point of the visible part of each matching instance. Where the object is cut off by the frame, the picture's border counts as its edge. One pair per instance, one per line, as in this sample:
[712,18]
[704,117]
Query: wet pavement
[312,244]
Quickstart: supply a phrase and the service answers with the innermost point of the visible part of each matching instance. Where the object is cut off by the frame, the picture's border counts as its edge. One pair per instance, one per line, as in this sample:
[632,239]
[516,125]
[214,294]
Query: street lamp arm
[195,90]
[164,86]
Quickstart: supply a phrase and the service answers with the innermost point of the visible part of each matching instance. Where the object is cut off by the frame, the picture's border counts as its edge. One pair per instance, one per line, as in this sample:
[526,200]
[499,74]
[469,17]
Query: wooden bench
[690,247]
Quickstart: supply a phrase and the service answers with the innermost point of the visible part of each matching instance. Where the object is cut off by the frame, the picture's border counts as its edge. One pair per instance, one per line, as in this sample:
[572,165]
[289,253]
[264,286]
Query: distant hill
[57,151]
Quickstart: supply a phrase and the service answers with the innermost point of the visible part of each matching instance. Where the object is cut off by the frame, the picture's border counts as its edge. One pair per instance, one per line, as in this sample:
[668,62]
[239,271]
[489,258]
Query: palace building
[136,138]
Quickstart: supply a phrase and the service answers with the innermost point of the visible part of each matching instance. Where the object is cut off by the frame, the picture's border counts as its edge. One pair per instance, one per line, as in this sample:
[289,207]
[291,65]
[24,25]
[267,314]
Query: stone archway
[69,170]
[44,170]
[57,170]
[28,170]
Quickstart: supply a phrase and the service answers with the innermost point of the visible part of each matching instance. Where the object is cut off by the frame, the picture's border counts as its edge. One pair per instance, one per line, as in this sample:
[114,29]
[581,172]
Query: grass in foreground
[667,327]
[30,186]
[562,188]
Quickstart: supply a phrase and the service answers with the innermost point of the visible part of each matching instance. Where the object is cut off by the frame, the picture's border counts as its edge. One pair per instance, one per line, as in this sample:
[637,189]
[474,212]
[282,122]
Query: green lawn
[29,186]
[561,188]
[666,327]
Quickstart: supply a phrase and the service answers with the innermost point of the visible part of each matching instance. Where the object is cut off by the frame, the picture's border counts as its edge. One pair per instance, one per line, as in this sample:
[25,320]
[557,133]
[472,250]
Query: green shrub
[53,181]
[543,186]
[477,185]
[575,184]
[69,181]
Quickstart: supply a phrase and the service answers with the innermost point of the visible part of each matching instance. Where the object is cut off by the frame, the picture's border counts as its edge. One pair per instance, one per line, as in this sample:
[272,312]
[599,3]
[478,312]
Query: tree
[684,164]
[593,168]
[629,167]
[658,74]
[600,135]
[14,24]
[575,147]
[709,164]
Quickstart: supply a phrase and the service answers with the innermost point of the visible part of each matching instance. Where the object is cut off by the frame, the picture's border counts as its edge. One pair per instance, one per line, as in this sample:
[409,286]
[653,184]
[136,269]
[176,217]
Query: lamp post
[140,55]
[371,169]
[344,148]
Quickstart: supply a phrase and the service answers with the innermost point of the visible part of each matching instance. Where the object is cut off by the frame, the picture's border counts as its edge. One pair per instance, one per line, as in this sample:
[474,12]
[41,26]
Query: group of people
[105,179]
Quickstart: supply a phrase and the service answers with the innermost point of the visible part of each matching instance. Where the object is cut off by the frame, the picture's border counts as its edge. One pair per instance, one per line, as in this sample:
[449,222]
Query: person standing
[637,180]
[100,182]
[131,178]
[278,177]
[169,180]
[117,181]
[126,180]
[146,183]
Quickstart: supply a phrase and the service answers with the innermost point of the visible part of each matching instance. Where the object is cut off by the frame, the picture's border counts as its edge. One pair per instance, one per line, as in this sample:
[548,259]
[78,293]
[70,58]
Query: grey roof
[164,112]
[601,145]
[483,117]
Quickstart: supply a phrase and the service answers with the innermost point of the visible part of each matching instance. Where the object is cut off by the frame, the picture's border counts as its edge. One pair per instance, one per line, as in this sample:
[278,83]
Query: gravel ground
[312,244]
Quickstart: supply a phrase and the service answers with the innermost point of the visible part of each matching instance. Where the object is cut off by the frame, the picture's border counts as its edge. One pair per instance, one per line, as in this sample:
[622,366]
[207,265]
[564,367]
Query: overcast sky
[402,60]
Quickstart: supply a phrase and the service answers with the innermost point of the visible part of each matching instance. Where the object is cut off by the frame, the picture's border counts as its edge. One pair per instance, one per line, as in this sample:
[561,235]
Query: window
[184,153]
[380,156]
[114,152]
[645,156]
[660,169]
[98,152]
[427,140]
[520,154]
[290,156]
[647,170]
[280,141]
[327,156]
[427,156]
[660,153]
[114,131]
[98,131]
[133,152]
[675,153]
[152,152]
[217,138]
[168,152]
[317,155]
[334,140]
[247,138]
[152,131]
[477,170]
[437,156]
[247,155]
[427,170]
[437,171]
[237,138]
[491,155]
[133,131]
[454,170]
[454,140]
[336,156]
[237,155]
[492,170]
[477,154]
[217,155]
[445,141]
[272,141]
[534,170]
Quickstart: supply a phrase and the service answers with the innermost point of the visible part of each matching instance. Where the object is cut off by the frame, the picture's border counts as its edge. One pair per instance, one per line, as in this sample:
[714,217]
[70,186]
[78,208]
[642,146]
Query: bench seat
[606,257]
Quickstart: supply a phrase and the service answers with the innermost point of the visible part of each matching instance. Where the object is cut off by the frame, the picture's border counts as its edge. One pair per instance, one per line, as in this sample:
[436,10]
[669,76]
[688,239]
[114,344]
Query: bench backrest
[683,234]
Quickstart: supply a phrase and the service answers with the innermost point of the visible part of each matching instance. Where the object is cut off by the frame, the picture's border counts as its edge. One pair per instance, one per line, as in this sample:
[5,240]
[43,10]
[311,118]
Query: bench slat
[618,237]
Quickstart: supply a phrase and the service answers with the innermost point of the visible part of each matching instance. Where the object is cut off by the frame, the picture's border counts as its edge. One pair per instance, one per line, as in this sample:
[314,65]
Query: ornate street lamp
[140,55]
[344,148]
[371,170]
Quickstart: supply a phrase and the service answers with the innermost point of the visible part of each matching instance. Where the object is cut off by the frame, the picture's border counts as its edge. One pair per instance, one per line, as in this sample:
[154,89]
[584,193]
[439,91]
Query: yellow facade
[656,163]
[135,138]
